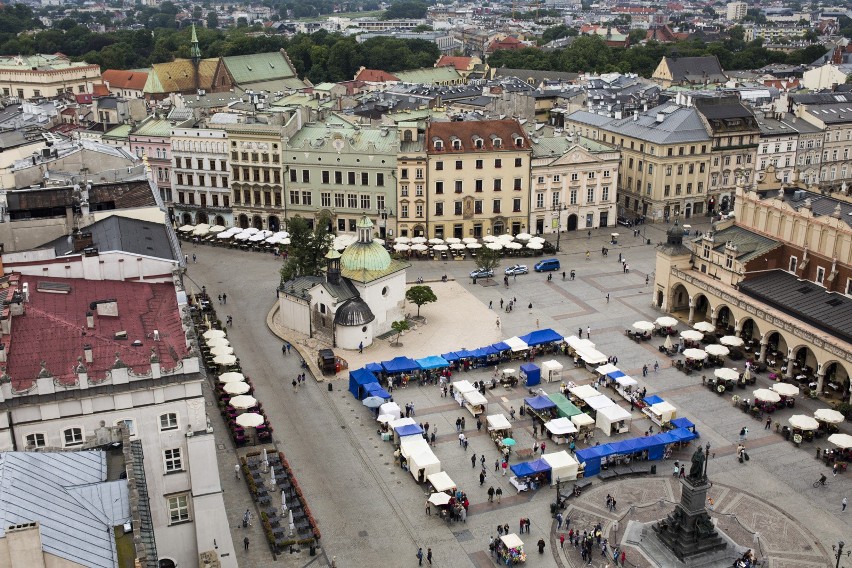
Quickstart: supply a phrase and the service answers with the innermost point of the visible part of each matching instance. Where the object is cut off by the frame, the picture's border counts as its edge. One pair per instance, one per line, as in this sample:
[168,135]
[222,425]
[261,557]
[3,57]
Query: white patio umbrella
[489,238]
[494,246]
[216,341]
[249,419]
[704,326]
[292,525]
[731,341]
[236,388]
[513,246]
[436,241]
[642,325]
[505,237]
[785,389]
[402,240]
[841,440]
[803,422]
[213,333]
[457,246]
[441,247]
[523,236]
[829,415]
[453,241]
[222,350]
[186,229]
[343,241]
[243,401]
[469,240]
[668,342]
[692,335]
[726,374]
[224,359]
[251,230]
[537,240]
[243,236]
[379,241]
[535,246]
[401,247]
[231,377]
[201,230]
[439,499]
[696,354]
[419,247]
[717,350]
[227,234]
[257,237]
[217,229]
[666,321]
[284,241]
[474,246]
[766,395]
[418,240]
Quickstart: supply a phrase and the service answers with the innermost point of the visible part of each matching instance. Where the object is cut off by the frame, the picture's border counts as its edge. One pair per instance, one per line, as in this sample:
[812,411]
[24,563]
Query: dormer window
[496,142]
[519,142]
[456,143]
[439,144]
[478,142]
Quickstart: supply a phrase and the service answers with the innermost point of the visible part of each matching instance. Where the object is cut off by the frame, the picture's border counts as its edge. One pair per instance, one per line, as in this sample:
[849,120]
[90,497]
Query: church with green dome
[361,294]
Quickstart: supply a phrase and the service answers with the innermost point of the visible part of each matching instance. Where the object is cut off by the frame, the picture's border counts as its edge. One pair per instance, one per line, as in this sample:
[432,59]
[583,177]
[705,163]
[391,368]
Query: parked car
[482,273]
[623,221]
[517,269]
[547,265]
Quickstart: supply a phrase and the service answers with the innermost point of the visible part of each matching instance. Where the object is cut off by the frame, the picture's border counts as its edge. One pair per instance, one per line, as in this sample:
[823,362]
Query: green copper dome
[364,254]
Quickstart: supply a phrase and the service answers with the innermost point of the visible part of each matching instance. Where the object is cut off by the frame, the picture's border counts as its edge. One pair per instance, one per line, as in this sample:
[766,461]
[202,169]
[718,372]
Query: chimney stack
[82,241]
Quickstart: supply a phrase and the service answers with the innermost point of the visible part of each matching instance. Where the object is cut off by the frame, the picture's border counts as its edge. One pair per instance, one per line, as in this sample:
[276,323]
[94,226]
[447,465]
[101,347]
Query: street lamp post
[558,209]
[838,552]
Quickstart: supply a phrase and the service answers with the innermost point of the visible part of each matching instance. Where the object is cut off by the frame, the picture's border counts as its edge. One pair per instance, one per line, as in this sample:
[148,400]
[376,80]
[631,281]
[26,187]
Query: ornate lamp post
[558,209]
[838,552]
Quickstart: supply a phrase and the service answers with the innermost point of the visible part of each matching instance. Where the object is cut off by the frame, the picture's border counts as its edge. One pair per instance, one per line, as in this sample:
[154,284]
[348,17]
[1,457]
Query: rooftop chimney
[82,241]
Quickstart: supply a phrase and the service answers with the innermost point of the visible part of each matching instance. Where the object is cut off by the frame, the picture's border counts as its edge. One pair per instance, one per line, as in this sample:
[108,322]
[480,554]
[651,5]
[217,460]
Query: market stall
[541,337]
[685,423]
[400,365]
[605,369]
[441,482]
[499,424]
[551,371]
[541,407]
[563,466]
[581,393]
[510,549]
[391,409]
[423,463]
[516,344]
[460,388]
[404,428]
[634,449]
[475,402]
[583,422]
[661,412]
[613,420]
[530,475]
[564,408]
[596,403]
[432,362]
[530,374]
[375,389]
[560,429]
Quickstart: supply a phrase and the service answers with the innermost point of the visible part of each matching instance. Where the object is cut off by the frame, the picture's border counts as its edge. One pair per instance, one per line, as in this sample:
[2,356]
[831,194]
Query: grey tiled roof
[679,125]
[696,69]
[749,245]
[804,300]
[125,234]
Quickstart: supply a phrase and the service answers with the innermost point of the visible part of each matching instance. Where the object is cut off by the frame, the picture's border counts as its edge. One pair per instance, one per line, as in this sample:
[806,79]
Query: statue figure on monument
[697,469]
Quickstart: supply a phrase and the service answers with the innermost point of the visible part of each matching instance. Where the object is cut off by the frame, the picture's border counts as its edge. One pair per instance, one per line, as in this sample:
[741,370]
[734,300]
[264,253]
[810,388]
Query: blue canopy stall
[357,379]
[531,373]
[375,389]
[652,400]
[451,356]
[408,430]
[522,469]
[480,353]
[685,423]
[501,346]
[432,362]
[464,354]
[615,374]
[539,403]
[659,442]
[490,350]
[682,434]
[374,367]
[540,336]
[400,365]
[591,457]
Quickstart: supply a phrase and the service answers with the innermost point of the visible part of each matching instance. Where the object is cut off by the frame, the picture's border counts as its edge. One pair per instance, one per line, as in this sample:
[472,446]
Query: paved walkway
[371,512]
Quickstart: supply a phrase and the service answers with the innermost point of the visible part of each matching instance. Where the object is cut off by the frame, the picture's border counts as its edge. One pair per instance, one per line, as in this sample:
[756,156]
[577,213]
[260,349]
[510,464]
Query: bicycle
[819,482]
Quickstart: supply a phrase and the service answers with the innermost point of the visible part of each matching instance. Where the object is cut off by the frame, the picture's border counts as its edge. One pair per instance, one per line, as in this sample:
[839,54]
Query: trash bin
[313,550]
[648,242]
[330,387]
[522,411]
[654,470]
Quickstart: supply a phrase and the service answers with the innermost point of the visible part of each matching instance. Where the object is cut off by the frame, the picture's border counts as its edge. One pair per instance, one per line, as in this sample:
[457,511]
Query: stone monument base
[644,539]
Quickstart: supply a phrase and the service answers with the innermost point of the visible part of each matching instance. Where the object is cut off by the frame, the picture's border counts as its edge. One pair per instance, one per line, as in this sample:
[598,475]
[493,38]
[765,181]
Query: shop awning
[540,466]
[516,344]
[400,365]
[432,362]
[541,336]
[563,406]
[512,541]
[498,422]
[463,386]
[501,346]
[583,392]
[652,400]
[626,381]
[582,419]
[441,481]
[408,430]
[599,402]
[451,356]
[561,426]
[606,369]
[375,389]
[374,367]
[615,374]
[682,423]
[522,469]
[539,403]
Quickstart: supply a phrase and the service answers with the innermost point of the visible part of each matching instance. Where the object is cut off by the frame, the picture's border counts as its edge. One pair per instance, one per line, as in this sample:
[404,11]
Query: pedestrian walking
[682,471]
[843,504]
[607,298]
[225,299]
[428,507]
[186,259]
[194,258]
[490,302]
[464,443]
[768,423]
[497,465]
[543,446]
[482,461]
[743,433]
[429,555]
[580,332]
[656,366]
[472,461]
[541,546]
[559,521]
[676,470]
[501,303]
[562,541]
[499,493]
[220,299]
[419,556]
[491,494]
[245,543]
[481,478]
[237,471]
[588,332]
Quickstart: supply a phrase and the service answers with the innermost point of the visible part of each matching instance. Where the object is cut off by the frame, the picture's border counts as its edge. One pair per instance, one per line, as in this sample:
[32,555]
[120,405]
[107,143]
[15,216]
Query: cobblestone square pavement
[372,513]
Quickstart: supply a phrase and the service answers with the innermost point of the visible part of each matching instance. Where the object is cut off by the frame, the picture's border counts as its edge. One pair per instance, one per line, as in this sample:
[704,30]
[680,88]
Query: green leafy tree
[406,9]
[212,20]
[308,248]
[399,327]
[487,259]
[420,295]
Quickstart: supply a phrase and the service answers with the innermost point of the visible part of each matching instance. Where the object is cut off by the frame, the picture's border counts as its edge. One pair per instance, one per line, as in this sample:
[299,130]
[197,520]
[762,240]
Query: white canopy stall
[551,371]
[583,392]
[459,390]
[475,402]
[498,423]
[662,412]
[441,482]
[423,463]
[613,419]
[516,344]
[597,403]
[390,408]
[560,428]
[583,421]
[563,466]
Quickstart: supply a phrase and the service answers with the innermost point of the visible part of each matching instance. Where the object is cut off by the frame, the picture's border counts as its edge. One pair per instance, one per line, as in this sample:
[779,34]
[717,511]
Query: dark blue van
[547,265]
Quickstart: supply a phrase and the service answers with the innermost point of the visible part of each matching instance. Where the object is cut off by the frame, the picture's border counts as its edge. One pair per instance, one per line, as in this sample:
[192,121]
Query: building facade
[830,113]
[411,158]
[343,172]
[152,140]
[257,175]
[478,174]
[200,176]
[574,182]
[35,76]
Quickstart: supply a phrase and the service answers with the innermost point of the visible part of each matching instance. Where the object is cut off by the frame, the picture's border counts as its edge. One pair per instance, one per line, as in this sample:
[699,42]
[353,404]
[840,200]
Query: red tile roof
[467,132]
[53,329]
[100,90]
[375,76]
[119,79]
[460,63]
[510,42]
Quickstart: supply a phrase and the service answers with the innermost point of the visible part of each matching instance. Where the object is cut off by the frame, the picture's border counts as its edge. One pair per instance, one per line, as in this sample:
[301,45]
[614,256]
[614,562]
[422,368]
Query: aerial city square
[403,283]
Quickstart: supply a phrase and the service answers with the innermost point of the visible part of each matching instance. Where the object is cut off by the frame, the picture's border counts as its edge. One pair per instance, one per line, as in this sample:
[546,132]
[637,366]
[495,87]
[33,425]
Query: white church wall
[352,337]
[386,298]
[294,314]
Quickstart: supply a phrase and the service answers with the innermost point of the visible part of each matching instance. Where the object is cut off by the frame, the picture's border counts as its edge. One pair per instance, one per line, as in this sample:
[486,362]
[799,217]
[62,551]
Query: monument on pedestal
[688,530]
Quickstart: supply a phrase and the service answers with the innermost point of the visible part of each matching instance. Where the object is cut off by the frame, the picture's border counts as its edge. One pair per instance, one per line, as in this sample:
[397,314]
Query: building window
[178,509]
[339,200]
[605,194]
[458,164]
[794,264]
[403,210]
[439,166]
[517,184]
[573,197]
[459,186]
[539,200]
[365,178]
[439,187]
[325,199]
[516,205]
[294,197]
[496,208]
[72,436]
[403,190]
[380,180]
[418,173]
[574,177]
[352,200]
[498,163]
[418,189]
[306,177]
[439,208]
[478,164]
[366,202]
[326,176]
[128,424]
[820,275]
[338,178]
[555,199]
[477,207]
[849,286]
[477,186]
[498,184]
[36,440]
[457,207]
[590,195]
[403,173]
[172,460]
[168,421]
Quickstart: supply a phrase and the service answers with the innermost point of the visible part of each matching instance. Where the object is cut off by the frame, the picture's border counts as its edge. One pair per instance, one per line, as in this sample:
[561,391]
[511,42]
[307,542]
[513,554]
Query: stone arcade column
[691,320]
[737,328]
[789,363]
[820,379]
[764,343]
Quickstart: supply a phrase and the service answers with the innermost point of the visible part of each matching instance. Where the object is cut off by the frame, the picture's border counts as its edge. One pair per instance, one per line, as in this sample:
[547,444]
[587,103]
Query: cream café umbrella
[243,401]
[210,333]
[231,378]
[236,388]
[224,359]
[250,420]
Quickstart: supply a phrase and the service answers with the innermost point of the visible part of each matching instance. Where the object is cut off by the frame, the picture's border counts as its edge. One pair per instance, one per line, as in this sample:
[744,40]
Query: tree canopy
[487,259]
[420,295]
[406,9]
[308,247]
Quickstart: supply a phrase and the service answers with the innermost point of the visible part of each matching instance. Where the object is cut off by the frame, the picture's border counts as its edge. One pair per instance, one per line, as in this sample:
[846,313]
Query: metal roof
[125,234]
[679,124]
[258,67]
[749,244]
[804,300]
[52,488]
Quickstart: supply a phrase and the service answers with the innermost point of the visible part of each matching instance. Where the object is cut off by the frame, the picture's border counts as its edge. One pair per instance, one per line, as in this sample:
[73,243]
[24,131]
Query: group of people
[585,542]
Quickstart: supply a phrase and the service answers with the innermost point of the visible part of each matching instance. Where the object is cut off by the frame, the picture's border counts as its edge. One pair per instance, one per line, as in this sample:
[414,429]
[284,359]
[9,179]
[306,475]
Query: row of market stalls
[643,448]
[549,469]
